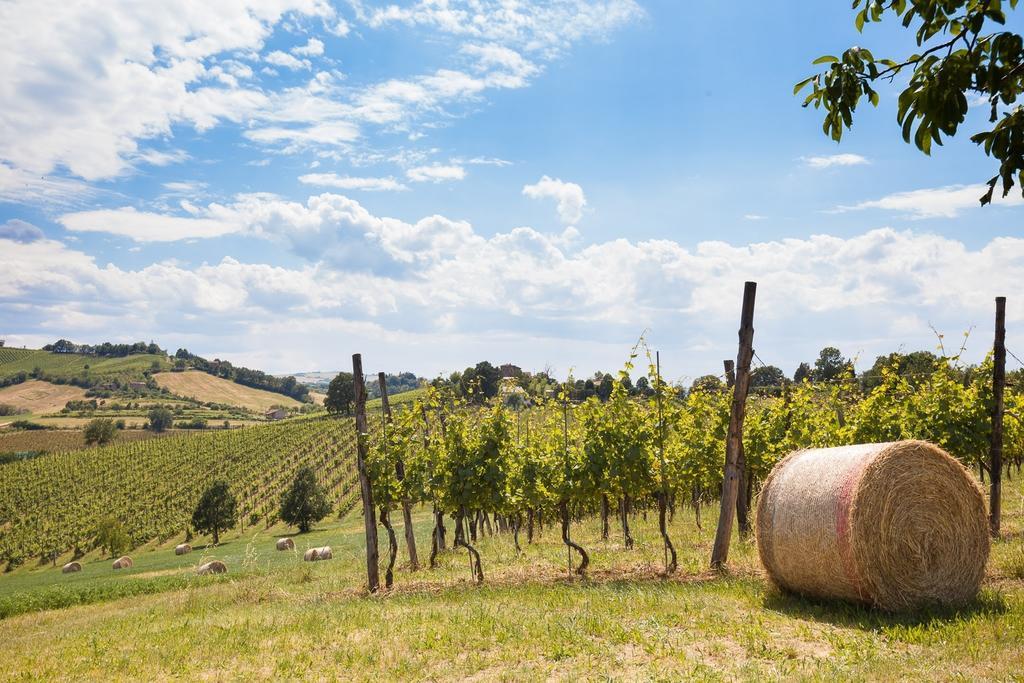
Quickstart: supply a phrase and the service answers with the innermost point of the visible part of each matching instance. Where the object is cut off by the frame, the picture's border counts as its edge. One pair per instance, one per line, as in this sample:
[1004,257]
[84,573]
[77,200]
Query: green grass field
[13,361]
[274,616]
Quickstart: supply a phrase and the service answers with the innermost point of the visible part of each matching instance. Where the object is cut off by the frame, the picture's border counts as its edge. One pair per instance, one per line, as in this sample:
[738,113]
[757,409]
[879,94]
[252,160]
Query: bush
[305,501]
[215,511]
[7,410]
[194,423]
[29,426]
[100,431]
[160,419]
[110,536]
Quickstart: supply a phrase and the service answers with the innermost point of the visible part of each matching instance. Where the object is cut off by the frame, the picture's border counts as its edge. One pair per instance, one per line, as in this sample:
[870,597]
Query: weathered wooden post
[410,535]
[369,518]
[743,489]
[734,440]
[995,453]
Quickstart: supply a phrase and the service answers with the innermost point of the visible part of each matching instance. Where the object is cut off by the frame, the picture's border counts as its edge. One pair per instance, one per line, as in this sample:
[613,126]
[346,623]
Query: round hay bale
[317,554]
[70,568]
[182,549]
[212,567]
[285,544]
[123,562]
[896,525]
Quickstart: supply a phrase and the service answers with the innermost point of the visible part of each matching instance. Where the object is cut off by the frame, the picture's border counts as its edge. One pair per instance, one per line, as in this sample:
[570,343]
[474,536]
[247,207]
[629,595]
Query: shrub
[215,511]
[305,501]
[100,431]
[160,419]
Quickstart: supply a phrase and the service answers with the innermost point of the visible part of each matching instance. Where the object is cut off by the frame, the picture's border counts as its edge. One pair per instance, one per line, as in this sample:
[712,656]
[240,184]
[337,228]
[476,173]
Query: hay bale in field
[212,567]
[70,568]
[285,544]
[124,562]
[182,549]
[897,525]
[317,554]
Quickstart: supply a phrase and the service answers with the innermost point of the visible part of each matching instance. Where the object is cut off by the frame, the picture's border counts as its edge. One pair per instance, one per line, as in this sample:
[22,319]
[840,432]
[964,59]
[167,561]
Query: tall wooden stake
[410,535]
[995,453]
[743,489]
[734,440]
[369,517]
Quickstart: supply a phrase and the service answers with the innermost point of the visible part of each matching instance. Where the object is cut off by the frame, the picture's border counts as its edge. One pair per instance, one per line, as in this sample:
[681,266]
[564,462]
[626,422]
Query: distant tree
[803,372]
[305,502]
[643,387]
[110,537]
[215,511]
[100,431]
[914,366]
[767,377]
[831,365]
[340,394]
[707,383]
[604,387]
[160,419]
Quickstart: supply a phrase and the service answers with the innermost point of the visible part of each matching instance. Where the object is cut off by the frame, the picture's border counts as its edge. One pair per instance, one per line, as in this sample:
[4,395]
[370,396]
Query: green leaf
[826,59]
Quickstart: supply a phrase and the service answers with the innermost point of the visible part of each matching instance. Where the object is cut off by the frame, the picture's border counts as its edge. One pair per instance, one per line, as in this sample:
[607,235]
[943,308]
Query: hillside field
[39,397]
[13,361]
[207,388]
[275,617]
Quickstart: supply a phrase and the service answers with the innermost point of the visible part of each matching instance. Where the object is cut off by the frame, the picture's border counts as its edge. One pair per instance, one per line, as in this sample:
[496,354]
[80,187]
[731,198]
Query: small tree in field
[100,431]
[340,394]
[215,511]
[160,419]
[110,537]
[305,502]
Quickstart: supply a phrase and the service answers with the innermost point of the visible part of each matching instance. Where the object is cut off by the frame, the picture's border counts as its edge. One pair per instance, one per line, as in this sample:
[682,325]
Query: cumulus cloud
[312,48]
[283,59]
[17,230]
[449,285]
[435,173]
[388,183]
[941,202]
[569,196]
[143,226]
[835,160]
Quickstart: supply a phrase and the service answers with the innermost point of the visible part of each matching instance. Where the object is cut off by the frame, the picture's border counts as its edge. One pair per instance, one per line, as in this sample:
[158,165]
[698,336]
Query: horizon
[433,184]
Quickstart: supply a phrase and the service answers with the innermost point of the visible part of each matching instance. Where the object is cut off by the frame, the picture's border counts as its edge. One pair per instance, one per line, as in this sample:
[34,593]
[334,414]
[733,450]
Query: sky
[282,183]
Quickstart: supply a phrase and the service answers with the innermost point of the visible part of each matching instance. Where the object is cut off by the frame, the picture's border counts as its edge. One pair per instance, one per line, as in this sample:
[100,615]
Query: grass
[204,387]
[73,364]
[273,616]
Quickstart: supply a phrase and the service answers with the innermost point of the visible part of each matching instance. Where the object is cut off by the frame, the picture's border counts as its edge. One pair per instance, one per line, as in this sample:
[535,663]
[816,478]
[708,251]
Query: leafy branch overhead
[962,51]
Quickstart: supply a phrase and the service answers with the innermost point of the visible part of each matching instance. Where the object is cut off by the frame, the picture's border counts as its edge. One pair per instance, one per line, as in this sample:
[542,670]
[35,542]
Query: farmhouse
[509,370]
[276,414]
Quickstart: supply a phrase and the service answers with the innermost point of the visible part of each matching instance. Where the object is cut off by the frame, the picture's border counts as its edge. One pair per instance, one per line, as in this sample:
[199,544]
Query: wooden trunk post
[995,461]
[734,440]
[369,516]
[410,535]
[743,489]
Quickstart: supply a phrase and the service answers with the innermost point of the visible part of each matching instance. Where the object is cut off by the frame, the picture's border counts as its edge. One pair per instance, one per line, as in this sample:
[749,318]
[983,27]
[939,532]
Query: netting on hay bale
[897,525]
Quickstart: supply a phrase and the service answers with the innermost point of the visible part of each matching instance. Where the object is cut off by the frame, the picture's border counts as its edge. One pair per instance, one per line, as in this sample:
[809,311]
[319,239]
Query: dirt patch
[39,397]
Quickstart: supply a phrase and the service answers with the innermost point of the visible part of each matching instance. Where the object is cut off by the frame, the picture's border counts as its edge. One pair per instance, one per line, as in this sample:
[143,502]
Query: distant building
[276,414]
[137,386]
[1,343]
[509,370]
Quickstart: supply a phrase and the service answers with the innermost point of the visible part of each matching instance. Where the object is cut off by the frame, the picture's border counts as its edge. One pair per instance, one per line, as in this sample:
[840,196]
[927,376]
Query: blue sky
[285,182]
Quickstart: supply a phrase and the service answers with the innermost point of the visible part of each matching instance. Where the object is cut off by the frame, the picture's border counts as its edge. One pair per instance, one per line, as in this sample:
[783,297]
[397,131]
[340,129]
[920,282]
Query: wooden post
[734,440]
[369,517]
[410,535]
[995,459]
[742,497]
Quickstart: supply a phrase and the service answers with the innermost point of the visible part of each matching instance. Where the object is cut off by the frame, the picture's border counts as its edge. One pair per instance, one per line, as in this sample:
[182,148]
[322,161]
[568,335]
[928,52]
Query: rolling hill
[37,397]
[68,365]
[207,388]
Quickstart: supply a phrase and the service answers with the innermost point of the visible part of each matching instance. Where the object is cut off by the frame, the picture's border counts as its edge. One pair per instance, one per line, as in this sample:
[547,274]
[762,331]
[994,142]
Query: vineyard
[52,504]
[68,365]
[564,461]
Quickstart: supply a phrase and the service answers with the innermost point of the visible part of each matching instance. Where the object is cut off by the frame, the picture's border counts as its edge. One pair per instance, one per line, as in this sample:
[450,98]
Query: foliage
[160,419]
[340,394]
[110,536]
[961,50]
[100,431]
[305,501]
[216,510]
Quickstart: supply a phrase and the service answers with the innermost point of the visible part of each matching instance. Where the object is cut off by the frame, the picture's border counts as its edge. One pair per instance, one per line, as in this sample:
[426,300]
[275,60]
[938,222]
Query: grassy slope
[39,397]
[274,616]
[204,387]
[72,364]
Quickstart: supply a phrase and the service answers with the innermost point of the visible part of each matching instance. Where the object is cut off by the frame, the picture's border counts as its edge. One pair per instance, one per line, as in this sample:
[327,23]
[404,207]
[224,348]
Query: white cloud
[941,202]
[435,173]
[17,230]
[532,295]
[22,187]
[143,226]
[835,160]
[283,59]
[482,161]
[569,196]
[352,183]
[312,48]
[753,217]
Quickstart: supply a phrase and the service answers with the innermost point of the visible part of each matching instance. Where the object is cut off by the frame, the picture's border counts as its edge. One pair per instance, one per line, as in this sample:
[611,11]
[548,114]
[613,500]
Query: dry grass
[203,387]
[39,397]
